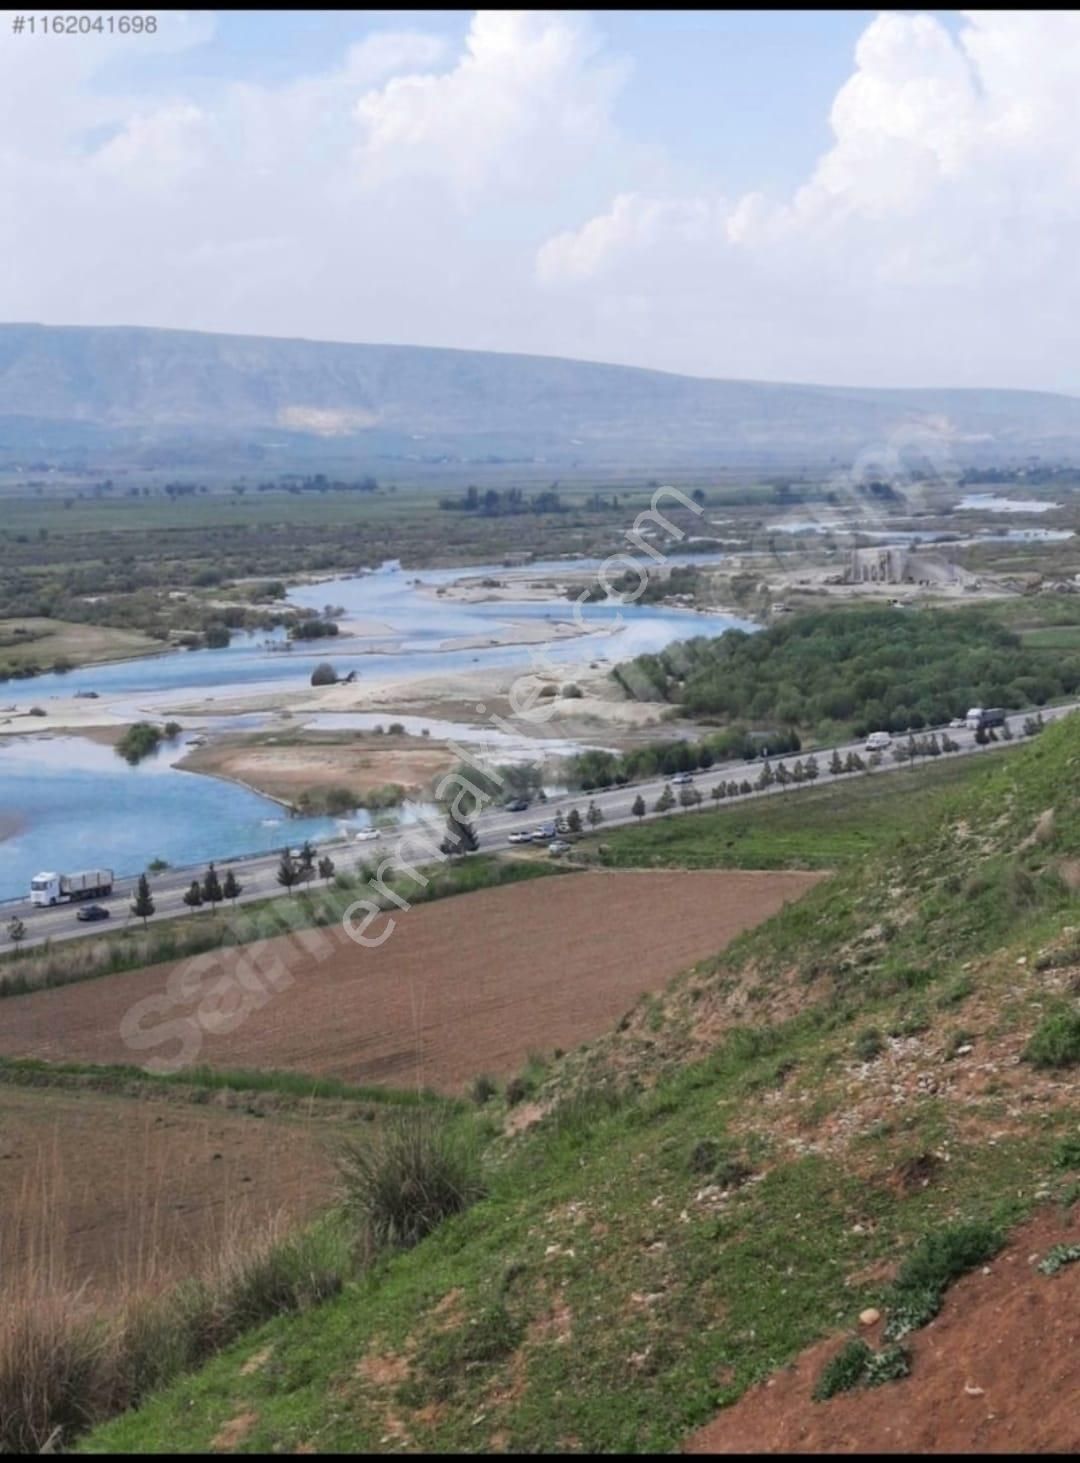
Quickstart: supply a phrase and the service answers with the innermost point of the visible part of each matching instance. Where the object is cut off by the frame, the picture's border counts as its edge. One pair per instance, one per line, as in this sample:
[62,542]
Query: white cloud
[933,240]
[488,196]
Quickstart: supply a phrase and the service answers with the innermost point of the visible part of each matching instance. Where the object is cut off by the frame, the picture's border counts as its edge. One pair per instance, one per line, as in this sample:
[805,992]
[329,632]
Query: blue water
[80,804]
[76,802]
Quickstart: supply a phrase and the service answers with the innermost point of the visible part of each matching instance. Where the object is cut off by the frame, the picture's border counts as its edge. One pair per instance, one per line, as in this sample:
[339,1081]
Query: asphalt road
[257,873]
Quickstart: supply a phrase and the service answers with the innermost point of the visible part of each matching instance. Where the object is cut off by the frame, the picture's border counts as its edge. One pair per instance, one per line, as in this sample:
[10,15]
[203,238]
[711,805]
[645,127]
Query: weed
[483,1089]
[1057,1258]
[403,1182]
[869,1044]
[1055,1042]
[1066,1154]
[937,1260]
[843,1372]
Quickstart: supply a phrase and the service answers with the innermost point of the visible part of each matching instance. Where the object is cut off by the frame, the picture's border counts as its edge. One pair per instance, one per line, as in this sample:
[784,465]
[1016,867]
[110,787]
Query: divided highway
[257,873]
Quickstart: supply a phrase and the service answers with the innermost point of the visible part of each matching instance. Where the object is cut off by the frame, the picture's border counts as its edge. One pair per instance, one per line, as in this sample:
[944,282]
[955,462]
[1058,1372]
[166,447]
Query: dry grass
[68,1360]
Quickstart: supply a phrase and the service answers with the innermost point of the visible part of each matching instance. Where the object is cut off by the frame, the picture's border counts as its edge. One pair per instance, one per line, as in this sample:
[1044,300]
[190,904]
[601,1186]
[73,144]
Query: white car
[957,723]
[519,836]
[366,834]
[682,778]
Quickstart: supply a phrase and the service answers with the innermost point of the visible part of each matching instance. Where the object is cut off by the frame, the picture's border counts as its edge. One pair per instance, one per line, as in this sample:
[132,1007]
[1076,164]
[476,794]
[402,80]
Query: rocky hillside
[836,1119]
[116,389]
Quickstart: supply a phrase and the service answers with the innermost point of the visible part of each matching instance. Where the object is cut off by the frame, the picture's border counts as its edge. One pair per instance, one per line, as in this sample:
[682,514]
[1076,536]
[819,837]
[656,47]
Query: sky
[844,197]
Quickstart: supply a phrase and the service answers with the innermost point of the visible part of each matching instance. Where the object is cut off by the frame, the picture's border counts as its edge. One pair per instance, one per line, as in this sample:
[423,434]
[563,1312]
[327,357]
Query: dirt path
[997,1372]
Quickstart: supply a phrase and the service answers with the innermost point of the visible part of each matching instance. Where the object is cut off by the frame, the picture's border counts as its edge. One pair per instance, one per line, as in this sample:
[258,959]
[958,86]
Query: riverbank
[287,766]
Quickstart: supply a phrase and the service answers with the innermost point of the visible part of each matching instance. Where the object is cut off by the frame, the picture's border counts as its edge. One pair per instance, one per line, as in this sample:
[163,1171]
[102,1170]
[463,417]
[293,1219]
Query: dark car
[91,912]
[519,805]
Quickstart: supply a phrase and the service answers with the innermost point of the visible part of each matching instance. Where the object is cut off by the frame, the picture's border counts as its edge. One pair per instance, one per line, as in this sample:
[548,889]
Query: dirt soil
[314,761]
[461,986]
[998,1371]
[111,1188]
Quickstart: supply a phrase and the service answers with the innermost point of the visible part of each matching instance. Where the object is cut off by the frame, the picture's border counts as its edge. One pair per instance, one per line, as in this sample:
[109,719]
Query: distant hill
[164,395]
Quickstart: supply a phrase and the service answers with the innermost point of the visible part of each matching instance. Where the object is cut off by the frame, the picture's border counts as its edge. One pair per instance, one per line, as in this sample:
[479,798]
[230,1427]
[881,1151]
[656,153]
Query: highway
[257,873]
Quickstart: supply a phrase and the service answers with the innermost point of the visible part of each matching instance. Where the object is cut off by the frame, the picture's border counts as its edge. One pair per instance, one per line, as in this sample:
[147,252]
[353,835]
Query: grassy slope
[804,828]
[52,640]
[616,1287]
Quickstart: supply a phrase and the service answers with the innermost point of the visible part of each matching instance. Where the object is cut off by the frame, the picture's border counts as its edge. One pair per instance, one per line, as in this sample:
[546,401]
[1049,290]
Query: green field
[1053,637]
[43,643]
[807,828]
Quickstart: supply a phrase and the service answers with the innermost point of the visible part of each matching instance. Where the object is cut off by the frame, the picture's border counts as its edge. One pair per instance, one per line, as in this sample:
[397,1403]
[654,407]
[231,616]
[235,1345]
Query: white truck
[62,888]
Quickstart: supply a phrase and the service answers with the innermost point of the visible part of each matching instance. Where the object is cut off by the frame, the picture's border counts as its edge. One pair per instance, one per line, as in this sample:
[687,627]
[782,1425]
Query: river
[70,801]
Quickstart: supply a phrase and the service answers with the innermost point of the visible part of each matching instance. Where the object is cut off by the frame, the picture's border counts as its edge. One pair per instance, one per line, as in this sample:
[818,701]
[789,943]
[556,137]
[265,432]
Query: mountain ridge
[140,386]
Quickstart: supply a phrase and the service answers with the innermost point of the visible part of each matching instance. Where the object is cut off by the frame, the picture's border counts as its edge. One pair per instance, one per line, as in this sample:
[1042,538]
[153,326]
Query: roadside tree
[143,904]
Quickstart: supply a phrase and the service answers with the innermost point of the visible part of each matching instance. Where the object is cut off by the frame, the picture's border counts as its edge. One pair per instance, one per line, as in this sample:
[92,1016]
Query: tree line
[855,670]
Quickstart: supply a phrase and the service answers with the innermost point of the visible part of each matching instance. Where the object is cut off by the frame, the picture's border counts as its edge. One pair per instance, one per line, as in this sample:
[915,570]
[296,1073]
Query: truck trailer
[63,888]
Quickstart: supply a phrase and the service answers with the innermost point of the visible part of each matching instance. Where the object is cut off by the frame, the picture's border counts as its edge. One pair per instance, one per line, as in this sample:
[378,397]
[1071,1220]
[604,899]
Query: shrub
[324,674]
[1055,1042]
[517,1089]
[869,1044]
[843,1372]
[1067,1153]
[483,1089]
[858,1366]
[937,1260]
[403,1182]
[572,691]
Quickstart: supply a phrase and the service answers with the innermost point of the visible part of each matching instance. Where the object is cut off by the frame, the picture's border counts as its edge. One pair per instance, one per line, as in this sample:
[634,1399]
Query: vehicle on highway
[682,778]
[366,834]
[878,741]
[957,723]
[520,835]
[48,888]
[544,833]
[979,718]
[92,912]
[517,805]
[559,847]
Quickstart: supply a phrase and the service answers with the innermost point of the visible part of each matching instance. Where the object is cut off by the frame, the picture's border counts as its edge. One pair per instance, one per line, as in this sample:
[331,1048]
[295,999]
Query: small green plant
[1067,1153]
[869,1044]
[859,1366]
[955,992]
[1055,1042]
[936,1261]
[483,1089]
[843,1372]
[1057,1258]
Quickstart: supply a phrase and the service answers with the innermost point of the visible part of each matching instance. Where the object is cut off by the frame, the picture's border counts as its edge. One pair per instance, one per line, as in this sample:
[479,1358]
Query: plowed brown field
[462,985]
[118,1189]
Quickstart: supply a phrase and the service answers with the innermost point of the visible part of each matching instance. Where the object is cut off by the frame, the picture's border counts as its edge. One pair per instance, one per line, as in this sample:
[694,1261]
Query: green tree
[718,791]
[836,764]
[326,868]
[638,807]
[16,931]
[460,838]
[595,814]
[143,904]
[306,860]
[288,873]
[666,801]
[573,821]
[232,888]
[689,797]
[193,898]
[811,768]
[211,888]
